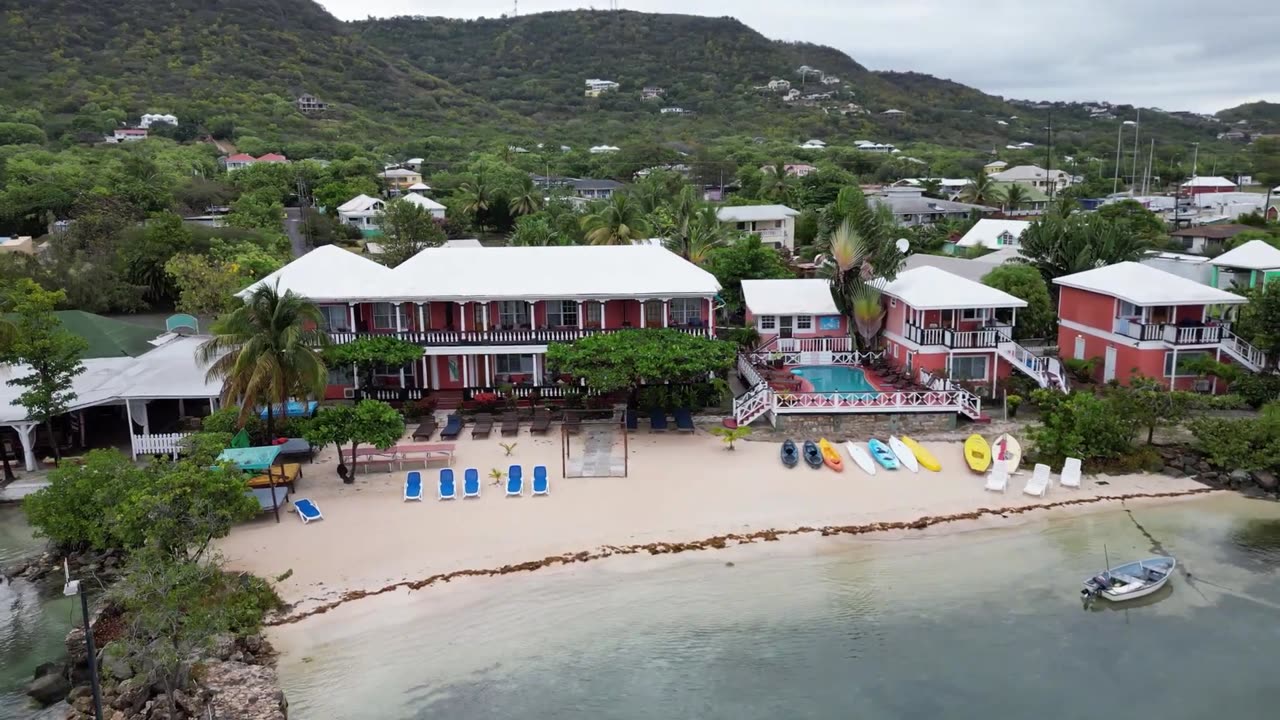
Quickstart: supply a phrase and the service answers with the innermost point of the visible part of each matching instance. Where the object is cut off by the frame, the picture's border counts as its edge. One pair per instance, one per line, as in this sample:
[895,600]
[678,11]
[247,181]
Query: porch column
[182,412]
[488,371]
[643,311]
[711,316]
[1014,322]
[422,317]
[604,314]
[128,412]
[1217,355]
[213,404]
[537,371]
[462,316]
[352,308]
[25,431]
[1173,370]
[580,316]
[400,334]
[666,306]
[486,315]
[995,365]
[466,371]
[533,315]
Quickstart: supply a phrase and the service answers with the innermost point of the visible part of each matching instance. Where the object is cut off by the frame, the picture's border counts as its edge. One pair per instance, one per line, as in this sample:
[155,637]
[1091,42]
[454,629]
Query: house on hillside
[1034,176]
[307,103]
[911,208]
[993,235]
[1034,200]
[244,160]
[1253,264]
[893,114]
[597,87]
[21,245]
[1207,239]
[774,224]
[652,92]
[361,212]
[798,170]
[149,119]
[779,85]
[129,134]
[400,179]
[813,144]
[1138,319]
[603,149]
[589,189]
[994,167]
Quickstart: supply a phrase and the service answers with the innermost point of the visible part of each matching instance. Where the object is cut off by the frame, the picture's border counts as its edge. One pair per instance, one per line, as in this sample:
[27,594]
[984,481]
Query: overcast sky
[1173,54]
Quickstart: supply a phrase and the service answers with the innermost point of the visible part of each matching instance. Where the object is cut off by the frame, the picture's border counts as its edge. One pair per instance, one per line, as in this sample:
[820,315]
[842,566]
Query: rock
[222,646]
[115,663]
[1239,476]
[49,688]
[117,715]
[133,695]
[253,643]
[245,692]
[189,703]
[79,691]
[1266,480]
[83,705]
[47,669]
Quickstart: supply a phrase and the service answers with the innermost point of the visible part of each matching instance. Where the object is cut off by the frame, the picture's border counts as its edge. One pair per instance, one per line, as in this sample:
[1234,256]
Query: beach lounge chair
[1070,476]
[483,426]
[426,428]
[657,421]
[539,486]
[572,422]
[1039,482]
[448,489]
[684,420]
[510,424]
[307,510]
[998,478]
[541,422]
[515,481]
[413,485]
[633,420]
[471,483]
[452,428]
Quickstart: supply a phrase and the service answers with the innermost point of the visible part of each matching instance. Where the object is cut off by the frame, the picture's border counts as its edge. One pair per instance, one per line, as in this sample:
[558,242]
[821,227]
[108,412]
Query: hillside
[1261,116]
[239,60]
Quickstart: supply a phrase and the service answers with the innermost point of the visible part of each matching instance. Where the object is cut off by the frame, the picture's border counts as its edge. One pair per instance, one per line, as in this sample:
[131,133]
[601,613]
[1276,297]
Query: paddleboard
[904,454]
[1008,450]
[861,457]
[977,453]
[926,458]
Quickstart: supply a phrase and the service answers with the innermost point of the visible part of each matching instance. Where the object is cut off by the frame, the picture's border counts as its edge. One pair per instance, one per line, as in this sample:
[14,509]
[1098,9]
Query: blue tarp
[293,408]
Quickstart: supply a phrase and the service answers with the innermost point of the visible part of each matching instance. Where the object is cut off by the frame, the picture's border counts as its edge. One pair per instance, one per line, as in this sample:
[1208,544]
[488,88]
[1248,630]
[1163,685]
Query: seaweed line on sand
[717,542]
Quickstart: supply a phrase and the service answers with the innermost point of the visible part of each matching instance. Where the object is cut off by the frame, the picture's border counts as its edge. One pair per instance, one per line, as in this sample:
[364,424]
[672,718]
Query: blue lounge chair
[539,480]
[307,510]
[413,485]
[515,481]
[448,489]
[471,483]
[684,420]
[452,428]
[657,421]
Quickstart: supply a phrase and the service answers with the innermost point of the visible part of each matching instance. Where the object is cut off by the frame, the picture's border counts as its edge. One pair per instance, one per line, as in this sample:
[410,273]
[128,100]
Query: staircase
[754,404]
[1045,371]
[1242,352]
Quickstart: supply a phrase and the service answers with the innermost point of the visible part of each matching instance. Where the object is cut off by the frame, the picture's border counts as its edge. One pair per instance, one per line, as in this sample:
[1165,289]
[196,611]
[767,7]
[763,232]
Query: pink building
[795,315]
[1139,319]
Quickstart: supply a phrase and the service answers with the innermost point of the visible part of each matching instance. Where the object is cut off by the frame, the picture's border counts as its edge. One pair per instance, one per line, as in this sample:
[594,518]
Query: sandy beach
[681,488]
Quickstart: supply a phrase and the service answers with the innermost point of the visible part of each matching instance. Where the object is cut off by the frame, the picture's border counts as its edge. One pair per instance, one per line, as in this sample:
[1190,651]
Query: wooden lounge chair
[426,429]
[483,426]
[510,424]
[541,422]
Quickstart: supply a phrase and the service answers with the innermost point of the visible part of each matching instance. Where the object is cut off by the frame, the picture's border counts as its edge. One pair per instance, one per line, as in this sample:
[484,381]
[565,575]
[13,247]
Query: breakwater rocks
[717,542]
[1187,462]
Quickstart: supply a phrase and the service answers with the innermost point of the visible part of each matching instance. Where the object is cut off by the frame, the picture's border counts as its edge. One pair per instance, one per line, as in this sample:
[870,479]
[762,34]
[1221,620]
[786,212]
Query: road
[293,228]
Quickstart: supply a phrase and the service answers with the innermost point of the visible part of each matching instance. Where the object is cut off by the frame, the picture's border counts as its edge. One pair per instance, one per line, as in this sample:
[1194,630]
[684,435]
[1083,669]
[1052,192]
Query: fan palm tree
[863,249]
[526,198]
[1015,196]
[618,221]
[267,351]
[981,189]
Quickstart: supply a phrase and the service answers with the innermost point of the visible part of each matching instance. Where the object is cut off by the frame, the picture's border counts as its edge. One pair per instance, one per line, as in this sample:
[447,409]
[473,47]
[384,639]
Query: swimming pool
[834,378]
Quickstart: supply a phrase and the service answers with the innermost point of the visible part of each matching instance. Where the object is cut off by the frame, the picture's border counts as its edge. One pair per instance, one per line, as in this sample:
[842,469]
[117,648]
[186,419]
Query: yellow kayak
[926,458]
[977,453]
[830,455]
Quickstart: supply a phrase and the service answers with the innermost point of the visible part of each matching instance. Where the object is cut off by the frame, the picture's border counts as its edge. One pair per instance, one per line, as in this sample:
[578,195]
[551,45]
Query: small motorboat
[926,458]
[1130,581]
[860,457]
[883,454]
[904,454]
[811,455]
[790,455]
[977,453]
[830,455]
[1006,449]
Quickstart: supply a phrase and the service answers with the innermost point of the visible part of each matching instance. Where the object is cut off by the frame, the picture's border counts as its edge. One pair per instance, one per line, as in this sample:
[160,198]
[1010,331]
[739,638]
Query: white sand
[681,488]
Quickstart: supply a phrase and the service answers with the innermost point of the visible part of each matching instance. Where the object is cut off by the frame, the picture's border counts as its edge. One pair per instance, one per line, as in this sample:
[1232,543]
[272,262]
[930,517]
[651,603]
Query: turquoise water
[834,378]
[980,624]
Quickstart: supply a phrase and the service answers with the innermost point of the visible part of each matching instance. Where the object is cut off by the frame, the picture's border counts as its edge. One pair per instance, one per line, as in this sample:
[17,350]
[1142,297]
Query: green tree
[205,287]
[778,183]
[981,190]
[1134,219]
[1024,282]
[1152,405]
[71,511]
[267,351]
[617,221]
[12,133]
[526,198]
[863,248]
[623,360]
[147,252]
[931,187]
[256,211]
[369,352]
[1259,320]
[50,352]
[699,236]
[367,422]
[475,196]
[179,508]
[1081,425]
[407,230]
[1058,246]
[1014,196]
[746,258]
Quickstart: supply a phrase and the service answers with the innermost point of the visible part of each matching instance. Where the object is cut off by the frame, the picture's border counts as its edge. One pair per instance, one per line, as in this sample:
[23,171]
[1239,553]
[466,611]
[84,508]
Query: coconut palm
[526,198]
[1015,196]
[981,189]
[618,221]
[778,183]
[701,234]
[267,351]
[475,196]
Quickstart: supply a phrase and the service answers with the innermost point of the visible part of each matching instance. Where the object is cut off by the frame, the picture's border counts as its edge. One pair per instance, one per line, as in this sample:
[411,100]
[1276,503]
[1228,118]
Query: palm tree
[475,196]
[702,234]
[981,189]
[267,351]
[863,248]
[777,185]
[1015,196]
[618,221]
[526,198]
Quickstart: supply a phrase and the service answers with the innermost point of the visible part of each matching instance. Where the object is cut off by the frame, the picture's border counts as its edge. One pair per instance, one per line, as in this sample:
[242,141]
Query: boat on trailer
[1129,581]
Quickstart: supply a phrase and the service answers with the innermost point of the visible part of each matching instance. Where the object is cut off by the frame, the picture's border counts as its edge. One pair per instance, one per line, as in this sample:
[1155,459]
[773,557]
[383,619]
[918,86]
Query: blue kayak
[883,454]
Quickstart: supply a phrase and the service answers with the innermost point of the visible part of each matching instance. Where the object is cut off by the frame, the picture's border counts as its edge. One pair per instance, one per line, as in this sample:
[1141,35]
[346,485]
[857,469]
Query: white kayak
[861,457]
[904,454]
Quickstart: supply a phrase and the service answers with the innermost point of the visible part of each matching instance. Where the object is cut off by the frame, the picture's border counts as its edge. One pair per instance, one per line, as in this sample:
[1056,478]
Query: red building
[1201,185]
[796,315]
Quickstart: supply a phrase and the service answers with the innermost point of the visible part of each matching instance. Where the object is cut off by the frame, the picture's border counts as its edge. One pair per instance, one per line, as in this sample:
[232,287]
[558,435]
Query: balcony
[1171,334]
[985,339]
[479,338]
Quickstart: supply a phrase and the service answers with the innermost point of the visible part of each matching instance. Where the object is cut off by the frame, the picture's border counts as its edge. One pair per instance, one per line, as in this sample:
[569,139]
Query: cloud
[1174,54]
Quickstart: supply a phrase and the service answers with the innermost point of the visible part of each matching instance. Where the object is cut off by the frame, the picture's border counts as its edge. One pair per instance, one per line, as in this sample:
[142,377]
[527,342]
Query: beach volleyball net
[593,443]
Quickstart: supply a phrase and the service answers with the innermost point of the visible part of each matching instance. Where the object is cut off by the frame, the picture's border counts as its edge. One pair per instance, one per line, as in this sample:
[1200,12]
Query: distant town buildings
[652,92]
[244,160]
[597,87]
[150,119]
[603,149]
[307,103]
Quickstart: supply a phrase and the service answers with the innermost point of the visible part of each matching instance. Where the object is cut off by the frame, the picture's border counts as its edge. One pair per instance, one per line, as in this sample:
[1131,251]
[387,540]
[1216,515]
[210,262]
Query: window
[1006,238]
[513,314]
[513,364]
[1127,310]
[653,313]
[384,373]
[478,321]
[686,311]
[562,313]
[893,302]
[594,314]
[768,322]
[341,375]
[1184,357]
[804,322]
[337,318]
[973,314]
[972,367]
[384,316]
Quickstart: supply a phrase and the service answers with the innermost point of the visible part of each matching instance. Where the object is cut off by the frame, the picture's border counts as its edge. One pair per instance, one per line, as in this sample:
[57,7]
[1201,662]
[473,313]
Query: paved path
[293,228]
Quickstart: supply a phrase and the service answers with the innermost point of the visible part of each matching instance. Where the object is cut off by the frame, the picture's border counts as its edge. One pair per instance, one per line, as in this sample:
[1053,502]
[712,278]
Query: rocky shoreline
[1181,461]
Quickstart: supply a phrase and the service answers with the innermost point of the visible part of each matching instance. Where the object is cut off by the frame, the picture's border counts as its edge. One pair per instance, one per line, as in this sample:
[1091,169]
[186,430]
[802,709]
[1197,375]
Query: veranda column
[580,316]
[644,306]
[666,315]
[400,334]
[533,315]
[485,304]
[489,380]
[537,371]
[711,317]
[27,429]
[352,308]
[422,317]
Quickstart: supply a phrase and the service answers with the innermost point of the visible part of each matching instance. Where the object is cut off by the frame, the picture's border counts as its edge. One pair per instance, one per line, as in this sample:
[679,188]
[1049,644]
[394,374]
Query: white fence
[163,444]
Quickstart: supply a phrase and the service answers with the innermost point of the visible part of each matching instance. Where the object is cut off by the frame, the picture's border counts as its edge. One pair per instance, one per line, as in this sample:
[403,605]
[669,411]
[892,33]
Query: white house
[994,234]
[602,149]
[1034,176]
[994,167]
[774,224]
[874,147]
[597,87]
[361,211]
[779,84]
[813,145]
[129,134]
[431,206]
[150,119]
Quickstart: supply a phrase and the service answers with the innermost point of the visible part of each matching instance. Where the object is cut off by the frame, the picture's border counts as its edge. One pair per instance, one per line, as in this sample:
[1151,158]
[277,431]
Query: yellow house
[400,178]
[992,168]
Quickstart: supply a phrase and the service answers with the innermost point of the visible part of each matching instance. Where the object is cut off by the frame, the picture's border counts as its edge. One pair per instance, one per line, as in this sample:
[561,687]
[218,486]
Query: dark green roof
[108,337]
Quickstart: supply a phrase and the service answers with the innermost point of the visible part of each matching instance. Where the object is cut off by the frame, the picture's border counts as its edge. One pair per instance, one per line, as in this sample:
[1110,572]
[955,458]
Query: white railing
[1194,335]
[752,404]
[1040,368]
[969,404]
[789,359]
[495,337]
[971,339]
[903,401]
[162,444]
[926,336]
[748,371]
[1247,354]
[815,344]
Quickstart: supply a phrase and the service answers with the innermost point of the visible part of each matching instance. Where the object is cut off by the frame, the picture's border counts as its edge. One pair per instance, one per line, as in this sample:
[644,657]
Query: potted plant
[1012,402]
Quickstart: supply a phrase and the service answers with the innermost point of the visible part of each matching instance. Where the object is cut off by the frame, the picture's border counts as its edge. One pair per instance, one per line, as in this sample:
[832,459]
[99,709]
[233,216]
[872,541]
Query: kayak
[790,455]
[977,453]
[1008,450]
[904,454]
[830,456]
[860,457]
[926,458]
[811,455]
[882,454]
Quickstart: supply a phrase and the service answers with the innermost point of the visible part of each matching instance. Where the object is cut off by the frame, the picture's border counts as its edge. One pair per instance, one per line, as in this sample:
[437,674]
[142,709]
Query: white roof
[1253,255]
[462,243]
[1210,181]
[359,203]
[1147,286]
[789,297]
[986,232]
[329,273]
[422,201]
[749,213]
[535,273]
[399,172]
[1026,172]
[997,163]
[419,186]
[413,161]
[931,288]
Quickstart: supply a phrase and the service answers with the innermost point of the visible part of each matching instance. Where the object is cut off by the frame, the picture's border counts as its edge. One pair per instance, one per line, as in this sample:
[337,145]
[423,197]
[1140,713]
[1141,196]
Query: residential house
[129,134]
[853,109]
[673,111]
[911,208]
[652,92]
[1034,176]
[779,84]
[149,119]
[791,96]
[786,312]
[244,160]
[950,187]
[414,163]
[1207,239]
[794,170]
[993,234]
[21,245]
[484,316]
[419,187]
[308,103]
[1034,200]
[873,147]
[273,158]
[994,167]
[1207,185]
[893,114]
[774,224]
[969,268]
[400,179]
[597,87]
[1191,267]
[830,80]
[1252,264]
[813,145]
[361,212]
[433,208]
[1138,319]
[590,189]
[603,149]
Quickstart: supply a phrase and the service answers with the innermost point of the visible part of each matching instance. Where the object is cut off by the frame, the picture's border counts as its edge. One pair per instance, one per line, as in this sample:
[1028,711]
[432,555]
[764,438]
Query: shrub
[486,401]
[744,338]
[1245,444]
[1081,425]
[1257,390]
[227,420]
[1081,370]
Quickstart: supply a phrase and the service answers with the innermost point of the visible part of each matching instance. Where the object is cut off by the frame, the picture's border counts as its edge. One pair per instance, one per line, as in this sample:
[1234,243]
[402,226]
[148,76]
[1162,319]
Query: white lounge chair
[998,478]
[1070,476]
[1039,482]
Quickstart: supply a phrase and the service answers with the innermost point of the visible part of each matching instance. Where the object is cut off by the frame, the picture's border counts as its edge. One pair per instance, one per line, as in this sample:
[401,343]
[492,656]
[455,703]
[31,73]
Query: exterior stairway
[1242,352]
[1048,372]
